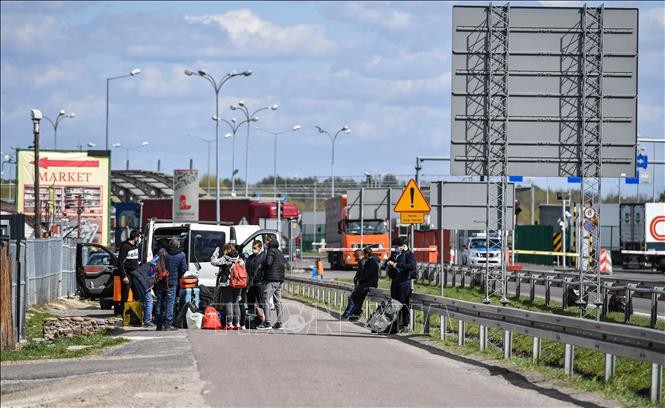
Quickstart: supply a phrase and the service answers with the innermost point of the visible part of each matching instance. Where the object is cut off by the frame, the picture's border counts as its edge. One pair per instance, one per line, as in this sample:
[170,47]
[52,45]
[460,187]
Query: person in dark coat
[273,273]
[128,260]
[166,289]
[251,296]
[360,261]
[401,267]
[369,278]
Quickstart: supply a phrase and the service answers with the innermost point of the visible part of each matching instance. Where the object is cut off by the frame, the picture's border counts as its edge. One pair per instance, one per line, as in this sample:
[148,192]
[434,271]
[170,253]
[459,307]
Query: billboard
[186,195]
[537,85]
[67,179]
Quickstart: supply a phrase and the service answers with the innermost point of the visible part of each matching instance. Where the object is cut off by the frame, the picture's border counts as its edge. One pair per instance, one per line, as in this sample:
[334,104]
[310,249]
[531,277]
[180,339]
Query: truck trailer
[642,230]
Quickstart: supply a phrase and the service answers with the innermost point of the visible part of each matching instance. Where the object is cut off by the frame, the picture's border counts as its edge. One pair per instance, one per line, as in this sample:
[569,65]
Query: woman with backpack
[228,293]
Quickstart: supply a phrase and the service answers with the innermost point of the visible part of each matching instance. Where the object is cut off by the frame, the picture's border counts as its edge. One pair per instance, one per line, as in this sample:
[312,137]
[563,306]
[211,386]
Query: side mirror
[197,265]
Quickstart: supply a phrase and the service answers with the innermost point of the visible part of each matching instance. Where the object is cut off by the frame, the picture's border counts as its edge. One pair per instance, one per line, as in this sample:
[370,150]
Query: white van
[199,241]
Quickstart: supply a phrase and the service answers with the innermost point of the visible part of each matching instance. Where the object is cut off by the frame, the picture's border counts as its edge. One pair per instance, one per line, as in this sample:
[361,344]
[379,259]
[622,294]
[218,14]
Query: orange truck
[344,235]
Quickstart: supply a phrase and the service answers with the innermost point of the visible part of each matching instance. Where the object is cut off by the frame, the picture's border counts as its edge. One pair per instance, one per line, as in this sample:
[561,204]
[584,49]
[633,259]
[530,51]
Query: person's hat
[399,241]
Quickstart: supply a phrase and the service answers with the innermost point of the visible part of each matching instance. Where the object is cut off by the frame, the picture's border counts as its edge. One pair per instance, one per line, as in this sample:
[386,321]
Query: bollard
[483,337]
[629,304]
[532,290]
[518,288]
[454,272]
[610,366]
[461,325]
[605,294]
[462,280]
[507,344]
[548,284]
[654,308]
[535,353]
[443,323]
[656,382]
[569,359]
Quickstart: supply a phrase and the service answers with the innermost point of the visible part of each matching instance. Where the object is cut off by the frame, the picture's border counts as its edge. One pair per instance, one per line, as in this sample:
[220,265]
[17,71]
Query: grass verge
[629,386]
[37,350]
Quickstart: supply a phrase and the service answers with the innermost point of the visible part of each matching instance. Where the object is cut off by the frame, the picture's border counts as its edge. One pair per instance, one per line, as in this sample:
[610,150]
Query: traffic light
[518,210]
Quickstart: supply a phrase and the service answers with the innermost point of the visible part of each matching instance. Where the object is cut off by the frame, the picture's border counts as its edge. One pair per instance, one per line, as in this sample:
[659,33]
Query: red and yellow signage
[69,180]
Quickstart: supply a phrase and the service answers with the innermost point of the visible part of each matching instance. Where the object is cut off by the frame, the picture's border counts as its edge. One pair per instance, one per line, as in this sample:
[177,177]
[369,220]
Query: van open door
[95,266]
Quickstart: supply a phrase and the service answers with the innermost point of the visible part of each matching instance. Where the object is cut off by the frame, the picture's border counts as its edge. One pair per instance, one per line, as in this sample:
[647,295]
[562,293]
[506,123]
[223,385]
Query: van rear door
[202,244]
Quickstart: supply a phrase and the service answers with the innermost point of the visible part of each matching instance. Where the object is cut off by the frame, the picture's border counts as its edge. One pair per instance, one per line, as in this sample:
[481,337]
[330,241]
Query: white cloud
[155,82]
[375,14]
[247,31]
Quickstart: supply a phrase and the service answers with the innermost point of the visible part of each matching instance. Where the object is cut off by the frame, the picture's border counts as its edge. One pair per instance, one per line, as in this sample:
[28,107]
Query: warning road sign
[412,200]
[412,218]
[589,212]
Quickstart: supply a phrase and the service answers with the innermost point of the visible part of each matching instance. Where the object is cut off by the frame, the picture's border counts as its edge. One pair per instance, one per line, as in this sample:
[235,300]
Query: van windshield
[204,244]
[162,236]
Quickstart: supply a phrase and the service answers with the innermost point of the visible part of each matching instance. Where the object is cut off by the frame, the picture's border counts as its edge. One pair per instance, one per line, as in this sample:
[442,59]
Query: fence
[41,270]
[637,343]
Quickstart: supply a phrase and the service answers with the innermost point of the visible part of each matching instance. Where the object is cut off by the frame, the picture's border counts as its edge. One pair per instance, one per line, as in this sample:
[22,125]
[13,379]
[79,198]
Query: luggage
[188,295]
[211,319]
[189,282]
[384,318]
[180,320]
[132,316]
[206,296]
[194,319]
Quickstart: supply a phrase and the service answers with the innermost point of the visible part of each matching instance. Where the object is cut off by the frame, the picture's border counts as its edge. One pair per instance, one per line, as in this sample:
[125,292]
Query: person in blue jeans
[147,309]
[166,289]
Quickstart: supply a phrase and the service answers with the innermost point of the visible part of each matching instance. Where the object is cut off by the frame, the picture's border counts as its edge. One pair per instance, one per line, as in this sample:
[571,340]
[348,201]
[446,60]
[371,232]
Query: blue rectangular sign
[515,179]
[574,179]
[632,180]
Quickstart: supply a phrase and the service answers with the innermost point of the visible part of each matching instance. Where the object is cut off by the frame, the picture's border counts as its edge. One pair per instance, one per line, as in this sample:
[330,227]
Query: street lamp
[132,73]
[333,139]
[217,86]
[127,149]
[234,125]
[61,115]
[208,141]
[90,144]
[274,163]
[249,118]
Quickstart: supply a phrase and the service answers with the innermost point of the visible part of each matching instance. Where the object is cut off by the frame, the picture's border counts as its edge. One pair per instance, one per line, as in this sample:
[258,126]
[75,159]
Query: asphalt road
[317,360]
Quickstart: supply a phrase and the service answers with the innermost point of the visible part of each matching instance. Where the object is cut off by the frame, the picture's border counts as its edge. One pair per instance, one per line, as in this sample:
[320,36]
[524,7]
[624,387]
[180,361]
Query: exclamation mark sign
[412,191]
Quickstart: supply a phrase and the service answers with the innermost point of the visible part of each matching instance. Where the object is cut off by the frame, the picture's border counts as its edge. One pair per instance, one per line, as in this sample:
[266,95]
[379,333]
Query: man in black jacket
[369,278]
[251,296]
[128,260]
[360,261]
[401,267]
[273,275]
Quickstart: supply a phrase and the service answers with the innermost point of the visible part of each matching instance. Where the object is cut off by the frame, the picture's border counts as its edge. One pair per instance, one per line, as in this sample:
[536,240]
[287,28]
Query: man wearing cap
[401,267]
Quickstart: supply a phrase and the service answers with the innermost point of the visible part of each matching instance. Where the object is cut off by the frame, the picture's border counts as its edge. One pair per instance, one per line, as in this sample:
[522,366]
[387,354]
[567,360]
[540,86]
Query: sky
[381,68]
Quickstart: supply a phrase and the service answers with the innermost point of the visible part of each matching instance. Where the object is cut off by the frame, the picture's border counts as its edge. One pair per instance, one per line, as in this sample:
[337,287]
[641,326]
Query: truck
[642,235]
[343,235]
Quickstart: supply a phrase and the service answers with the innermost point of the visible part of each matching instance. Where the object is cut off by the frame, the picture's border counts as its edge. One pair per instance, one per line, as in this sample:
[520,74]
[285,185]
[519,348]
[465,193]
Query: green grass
[35,350]
[538,305]
[630,385]
[58,348]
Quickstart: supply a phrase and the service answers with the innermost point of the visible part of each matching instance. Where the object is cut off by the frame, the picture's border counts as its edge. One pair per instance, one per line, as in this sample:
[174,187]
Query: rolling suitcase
[190,294]
[384,318]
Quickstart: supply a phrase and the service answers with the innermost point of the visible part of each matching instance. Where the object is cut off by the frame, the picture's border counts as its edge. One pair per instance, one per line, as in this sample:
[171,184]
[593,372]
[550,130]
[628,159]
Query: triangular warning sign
[412,200]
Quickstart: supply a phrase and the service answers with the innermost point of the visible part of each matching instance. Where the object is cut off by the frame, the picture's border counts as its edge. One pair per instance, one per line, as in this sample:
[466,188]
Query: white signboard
[655,223]
[185,195]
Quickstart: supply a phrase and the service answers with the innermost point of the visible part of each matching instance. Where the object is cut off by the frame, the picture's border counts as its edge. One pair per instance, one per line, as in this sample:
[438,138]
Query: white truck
[642,230]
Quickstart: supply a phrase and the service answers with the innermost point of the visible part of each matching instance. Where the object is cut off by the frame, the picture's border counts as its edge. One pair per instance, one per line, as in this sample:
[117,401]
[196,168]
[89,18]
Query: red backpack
[161,269]
[238,277]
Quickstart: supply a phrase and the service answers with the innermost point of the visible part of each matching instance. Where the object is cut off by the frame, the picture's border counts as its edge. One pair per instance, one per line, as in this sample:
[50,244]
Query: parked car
[475,252]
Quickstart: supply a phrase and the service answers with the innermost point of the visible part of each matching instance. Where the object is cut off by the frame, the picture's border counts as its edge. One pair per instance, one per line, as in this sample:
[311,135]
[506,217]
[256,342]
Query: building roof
[137,185]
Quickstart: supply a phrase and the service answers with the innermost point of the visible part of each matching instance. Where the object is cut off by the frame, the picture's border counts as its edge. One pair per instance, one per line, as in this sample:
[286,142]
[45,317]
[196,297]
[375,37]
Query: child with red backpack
[231,280]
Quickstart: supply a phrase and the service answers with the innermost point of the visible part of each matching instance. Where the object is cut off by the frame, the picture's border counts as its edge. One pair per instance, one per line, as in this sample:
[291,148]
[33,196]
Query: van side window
[204,244]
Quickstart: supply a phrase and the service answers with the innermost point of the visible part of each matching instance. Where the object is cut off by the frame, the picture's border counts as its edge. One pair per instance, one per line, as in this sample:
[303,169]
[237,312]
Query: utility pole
[36,115]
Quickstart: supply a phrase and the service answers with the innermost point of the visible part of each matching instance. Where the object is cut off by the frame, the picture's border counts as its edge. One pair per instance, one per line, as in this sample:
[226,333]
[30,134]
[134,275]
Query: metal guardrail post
[535,353]
[518,287]
[454,272]
[426,321]
[629,302]
[532,289]
[443,323]
[548,290]
[483,337]
[507,344]
[606,300]
[569,359]
[335,298]
[610,366]
[462,282]
[445,276]
[461,337]
[367,309]
[654,309]
[656,382]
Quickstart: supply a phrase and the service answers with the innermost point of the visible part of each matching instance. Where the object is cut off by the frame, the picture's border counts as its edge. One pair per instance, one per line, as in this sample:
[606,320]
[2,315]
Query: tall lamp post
[333,139]
[217,86]
[208,141]
[128,149]
[234,125]
[241,106]
[61,115]
[132,73]
[274,162]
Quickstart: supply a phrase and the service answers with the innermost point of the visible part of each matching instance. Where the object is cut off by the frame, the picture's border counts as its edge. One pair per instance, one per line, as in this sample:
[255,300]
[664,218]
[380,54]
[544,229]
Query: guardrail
[456,275]
[637,343]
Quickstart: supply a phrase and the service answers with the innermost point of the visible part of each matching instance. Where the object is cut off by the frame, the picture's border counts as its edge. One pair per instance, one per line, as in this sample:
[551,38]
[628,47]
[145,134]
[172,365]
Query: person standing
[369,278]
[273,272]
[128,260]
[252,295]
[176,264]
[226,295]
[401,267]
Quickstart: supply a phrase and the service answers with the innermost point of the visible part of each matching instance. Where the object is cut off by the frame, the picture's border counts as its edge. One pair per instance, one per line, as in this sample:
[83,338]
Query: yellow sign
[67,178]
[412,218]
[412,200]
